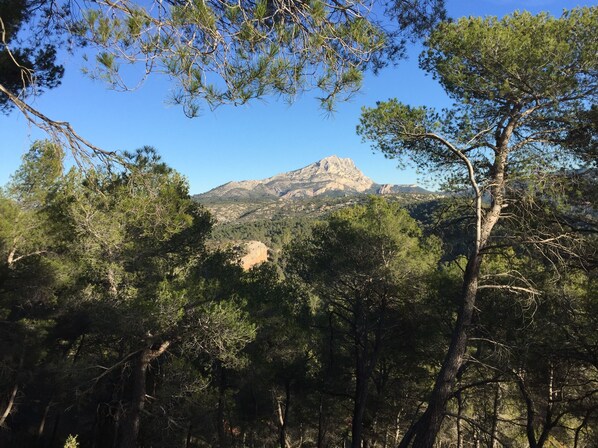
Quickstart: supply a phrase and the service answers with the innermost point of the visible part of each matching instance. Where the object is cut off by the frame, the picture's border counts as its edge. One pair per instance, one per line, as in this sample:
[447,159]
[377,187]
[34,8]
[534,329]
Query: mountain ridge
[330,176]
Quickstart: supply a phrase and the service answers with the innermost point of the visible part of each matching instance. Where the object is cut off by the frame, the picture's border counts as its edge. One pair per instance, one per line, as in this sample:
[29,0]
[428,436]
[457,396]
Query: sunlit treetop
[521,58]
[524,87]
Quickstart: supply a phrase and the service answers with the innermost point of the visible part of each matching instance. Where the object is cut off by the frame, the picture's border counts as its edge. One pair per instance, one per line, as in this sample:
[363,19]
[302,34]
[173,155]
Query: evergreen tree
[523,87]
[368,266]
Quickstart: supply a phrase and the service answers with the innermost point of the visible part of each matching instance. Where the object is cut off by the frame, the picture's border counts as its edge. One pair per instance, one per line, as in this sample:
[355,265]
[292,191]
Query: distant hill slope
[276,222]
[278,209]
[238,211]
[331,176]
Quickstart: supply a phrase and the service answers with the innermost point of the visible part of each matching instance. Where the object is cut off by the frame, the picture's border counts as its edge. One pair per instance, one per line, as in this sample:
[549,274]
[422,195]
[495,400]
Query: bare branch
[83,151]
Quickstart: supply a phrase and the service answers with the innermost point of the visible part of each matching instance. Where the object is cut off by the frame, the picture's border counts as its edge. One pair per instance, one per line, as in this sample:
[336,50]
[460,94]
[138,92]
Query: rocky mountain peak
[330,169]
[336,164]
[330,176]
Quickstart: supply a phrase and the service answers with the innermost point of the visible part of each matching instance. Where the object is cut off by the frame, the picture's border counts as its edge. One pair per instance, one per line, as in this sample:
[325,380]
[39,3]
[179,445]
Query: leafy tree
[139,241]
[368,266]
[525,361]
[275,386]
[30,277]
[523,88]
[103,275]
[255,49]
[22,221]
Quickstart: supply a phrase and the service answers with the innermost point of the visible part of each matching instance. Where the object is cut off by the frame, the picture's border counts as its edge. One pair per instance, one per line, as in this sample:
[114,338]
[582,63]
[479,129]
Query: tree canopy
[215,52]
[524,87]
[369,267]
[26,67]
[121,325]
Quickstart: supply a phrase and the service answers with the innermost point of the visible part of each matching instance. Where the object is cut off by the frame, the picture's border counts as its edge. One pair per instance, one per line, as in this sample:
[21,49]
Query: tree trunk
[321,423]
[13,392]
[365,362]
[426,429]
[284,414]
[549,422]
[476,439]
[222,436]
[429,424]
[188,440]
[495,411]
[42,423]
[130,428]
[54,430]
[459,412]
[361,382]
[530,413]
[578,430]
[117,420]
[397,429]
[132,421]
[9,404]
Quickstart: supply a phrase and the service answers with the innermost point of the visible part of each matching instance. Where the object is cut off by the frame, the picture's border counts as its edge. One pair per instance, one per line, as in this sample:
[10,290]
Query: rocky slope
[331,176]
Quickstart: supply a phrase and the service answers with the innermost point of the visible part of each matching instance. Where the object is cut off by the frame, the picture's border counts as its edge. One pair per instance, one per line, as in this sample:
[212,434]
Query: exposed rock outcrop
[256,253]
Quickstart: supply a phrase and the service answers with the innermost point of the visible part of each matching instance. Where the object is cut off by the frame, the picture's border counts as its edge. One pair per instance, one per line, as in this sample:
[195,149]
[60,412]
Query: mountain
[331,176]
[258,217]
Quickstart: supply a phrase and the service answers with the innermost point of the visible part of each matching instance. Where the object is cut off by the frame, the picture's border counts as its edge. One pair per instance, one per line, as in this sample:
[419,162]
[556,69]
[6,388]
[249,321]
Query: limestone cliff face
[332,176]
[328,175]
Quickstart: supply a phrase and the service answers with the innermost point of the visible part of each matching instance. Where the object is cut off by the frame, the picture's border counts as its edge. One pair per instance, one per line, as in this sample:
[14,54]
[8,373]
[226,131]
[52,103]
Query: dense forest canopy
[120,327]
[469,320]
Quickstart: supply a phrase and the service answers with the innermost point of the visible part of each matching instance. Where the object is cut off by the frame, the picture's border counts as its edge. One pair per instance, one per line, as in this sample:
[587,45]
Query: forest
[468,321]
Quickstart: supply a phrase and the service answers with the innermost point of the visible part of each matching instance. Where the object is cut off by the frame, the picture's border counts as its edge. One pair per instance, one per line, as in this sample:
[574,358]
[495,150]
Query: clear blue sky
[248,142]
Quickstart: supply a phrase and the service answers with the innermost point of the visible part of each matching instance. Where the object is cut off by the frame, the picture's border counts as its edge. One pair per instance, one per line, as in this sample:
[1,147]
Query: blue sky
[247,142]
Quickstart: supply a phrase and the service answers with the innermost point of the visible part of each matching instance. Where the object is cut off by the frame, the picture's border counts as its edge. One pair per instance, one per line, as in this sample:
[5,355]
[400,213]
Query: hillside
[312,191]
[275,210]
[275,223]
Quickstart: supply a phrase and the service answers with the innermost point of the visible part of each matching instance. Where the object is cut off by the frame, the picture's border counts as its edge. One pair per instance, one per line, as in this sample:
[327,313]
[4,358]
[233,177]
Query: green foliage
[221,330]
[524,89]
[71,442]
[514,59]
[276,223]
[100,267]
[275,234]
[379,240]
[216,52]
[27,65]
[530,343]
[36,178]
[24,228]
[227,53]
[397,130]
[103,270]
[369,268]
[535,75]
[113,263]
